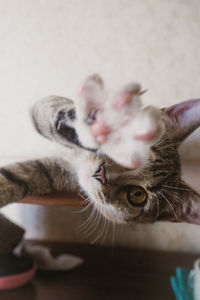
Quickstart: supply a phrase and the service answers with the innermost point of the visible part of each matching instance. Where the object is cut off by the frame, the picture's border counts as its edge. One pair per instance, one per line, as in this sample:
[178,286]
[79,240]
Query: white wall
[49,46]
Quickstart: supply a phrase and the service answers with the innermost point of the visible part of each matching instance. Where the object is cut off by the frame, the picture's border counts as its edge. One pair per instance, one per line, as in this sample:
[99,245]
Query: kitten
[152,191]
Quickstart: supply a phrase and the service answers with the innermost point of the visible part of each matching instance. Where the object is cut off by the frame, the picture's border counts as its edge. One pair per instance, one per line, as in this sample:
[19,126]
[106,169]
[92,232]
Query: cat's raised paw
[119,127]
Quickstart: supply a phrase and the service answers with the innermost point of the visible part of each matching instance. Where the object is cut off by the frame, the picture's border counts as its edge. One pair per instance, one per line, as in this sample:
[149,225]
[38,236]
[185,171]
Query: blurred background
[49,46]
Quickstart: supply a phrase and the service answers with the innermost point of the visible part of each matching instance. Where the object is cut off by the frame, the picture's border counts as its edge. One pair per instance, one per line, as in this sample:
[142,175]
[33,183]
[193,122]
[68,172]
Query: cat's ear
[183,118]
[190,207]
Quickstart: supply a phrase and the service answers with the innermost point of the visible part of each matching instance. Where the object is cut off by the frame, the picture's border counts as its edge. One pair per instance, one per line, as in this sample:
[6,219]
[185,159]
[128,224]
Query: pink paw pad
[133,165]
[100,130]
[147,137]
[92,82]
[122,100]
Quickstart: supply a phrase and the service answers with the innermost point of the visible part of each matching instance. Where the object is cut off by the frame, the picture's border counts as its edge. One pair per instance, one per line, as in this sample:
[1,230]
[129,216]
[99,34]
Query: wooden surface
[107,274]
[57,199]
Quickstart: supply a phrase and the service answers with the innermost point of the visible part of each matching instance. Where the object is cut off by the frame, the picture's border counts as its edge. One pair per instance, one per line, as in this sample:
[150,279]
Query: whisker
[94,224]
[113,233]
[101,228]
[101,233]
[169,205]
[83,209]
[177,197]
[176,188]
[158,208]
[106,231]
[82,194]
[88,220]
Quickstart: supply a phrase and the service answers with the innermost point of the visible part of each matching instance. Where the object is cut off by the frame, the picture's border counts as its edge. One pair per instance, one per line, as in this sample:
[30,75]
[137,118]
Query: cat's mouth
[101,174]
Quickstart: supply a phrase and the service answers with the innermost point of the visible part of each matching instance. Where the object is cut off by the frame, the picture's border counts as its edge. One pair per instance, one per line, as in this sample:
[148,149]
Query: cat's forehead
[145,176]
[161,166]
[127,177]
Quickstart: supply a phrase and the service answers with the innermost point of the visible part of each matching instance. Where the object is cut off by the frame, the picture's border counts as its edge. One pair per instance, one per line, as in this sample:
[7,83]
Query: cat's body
[149,193]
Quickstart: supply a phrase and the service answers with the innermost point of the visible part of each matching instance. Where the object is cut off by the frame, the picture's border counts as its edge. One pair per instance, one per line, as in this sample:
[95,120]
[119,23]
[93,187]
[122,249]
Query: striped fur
[73,169]
[35,177]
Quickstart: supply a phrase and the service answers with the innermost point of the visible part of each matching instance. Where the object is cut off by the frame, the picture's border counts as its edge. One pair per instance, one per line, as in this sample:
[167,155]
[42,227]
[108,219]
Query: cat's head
[153,192]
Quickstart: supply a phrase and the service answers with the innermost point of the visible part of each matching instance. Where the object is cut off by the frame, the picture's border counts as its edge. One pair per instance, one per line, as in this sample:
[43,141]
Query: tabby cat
[146,192]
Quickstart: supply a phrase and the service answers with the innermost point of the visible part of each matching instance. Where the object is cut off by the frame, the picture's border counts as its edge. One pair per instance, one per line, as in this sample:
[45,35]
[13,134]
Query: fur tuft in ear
[190,208]
[183,118]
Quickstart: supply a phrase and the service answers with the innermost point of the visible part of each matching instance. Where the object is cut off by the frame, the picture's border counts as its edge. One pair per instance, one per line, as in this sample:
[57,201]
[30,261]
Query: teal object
[183,284]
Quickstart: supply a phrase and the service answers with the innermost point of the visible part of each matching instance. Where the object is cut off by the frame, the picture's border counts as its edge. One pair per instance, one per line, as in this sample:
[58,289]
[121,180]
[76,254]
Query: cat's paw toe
[149,125]
[133,88]
[96,80]
[149,136]
[91,85]
[130,94]
[121,101]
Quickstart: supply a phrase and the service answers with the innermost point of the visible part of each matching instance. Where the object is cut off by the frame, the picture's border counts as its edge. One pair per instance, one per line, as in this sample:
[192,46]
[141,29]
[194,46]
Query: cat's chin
[85,176]
[92,189]
[111,213]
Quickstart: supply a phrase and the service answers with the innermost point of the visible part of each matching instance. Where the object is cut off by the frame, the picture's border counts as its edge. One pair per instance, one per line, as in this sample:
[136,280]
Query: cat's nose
[100,174]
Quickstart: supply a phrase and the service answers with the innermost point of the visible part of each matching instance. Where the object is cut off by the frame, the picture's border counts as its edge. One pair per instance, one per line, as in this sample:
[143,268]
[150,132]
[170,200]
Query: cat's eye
[136,195]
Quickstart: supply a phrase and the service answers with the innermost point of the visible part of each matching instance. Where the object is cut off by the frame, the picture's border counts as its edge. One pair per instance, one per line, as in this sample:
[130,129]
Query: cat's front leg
[36,177]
